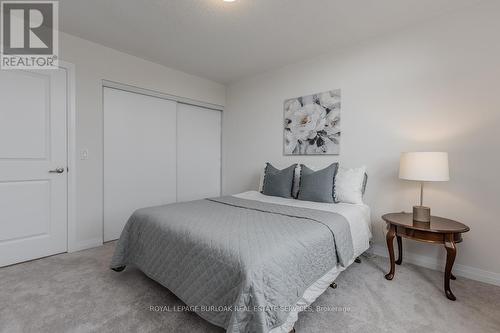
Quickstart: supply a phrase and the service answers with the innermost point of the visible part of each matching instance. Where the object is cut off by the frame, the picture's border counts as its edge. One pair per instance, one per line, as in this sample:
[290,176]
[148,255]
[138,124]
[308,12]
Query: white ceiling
[227,41]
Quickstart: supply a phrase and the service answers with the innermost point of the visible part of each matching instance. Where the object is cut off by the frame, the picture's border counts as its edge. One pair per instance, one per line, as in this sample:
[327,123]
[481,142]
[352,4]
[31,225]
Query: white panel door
[198,152]
[33,200]
[139,156]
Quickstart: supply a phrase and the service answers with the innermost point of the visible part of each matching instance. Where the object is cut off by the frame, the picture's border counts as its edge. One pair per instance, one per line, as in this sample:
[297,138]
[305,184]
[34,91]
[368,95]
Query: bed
[247,262]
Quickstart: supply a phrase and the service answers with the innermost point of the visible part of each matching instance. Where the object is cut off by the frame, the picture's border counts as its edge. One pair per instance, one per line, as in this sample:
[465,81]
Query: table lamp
[424,167]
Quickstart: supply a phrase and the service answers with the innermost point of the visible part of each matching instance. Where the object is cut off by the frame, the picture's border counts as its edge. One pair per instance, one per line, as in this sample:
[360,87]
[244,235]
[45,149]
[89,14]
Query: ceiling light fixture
[229,0]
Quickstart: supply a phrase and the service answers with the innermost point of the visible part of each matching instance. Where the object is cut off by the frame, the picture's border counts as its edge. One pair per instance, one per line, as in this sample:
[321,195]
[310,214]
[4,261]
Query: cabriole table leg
[391,233]
[451,253]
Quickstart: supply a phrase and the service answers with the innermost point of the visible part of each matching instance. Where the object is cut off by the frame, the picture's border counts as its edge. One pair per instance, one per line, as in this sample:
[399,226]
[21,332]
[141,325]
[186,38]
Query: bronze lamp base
[421,214]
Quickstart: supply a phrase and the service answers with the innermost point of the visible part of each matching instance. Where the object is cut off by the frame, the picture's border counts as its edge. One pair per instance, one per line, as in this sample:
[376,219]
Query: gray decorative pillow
[317,185]
[278,183]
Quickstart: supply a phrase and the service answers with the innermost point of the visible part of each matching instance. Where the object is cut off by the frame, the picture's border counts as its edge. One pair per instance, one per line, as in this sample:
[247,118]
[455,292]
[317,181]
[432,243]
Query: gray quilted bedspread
[240,264]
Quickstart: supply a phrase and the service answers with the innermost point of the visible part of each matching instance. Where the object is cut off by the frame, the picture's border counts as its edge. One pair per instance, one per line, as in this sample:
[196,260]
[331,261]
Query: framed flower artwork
[312,124]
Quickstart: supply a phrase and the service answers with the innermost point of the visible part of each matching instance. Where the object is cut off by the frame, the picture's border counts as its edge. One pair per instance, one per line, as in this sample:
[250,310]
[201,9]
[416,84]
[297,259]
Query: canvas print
[312,124]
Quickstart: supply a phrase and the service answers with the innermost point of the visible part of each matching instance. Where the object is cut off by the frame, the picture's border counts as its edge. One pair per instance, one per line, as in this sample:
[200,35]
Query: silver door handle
[58,170]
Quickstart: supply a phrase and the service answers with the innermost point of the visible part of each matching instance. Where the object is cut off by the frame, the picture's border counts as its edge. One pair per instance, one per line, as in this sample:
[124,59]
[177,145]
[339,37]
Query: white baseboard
[438,265]
[85,244]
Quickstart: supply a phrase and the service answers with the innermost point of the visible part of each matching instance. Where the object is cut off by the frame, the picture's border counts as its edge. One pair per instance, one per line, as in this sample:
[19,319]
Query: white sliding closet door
[198,152]
[139,155]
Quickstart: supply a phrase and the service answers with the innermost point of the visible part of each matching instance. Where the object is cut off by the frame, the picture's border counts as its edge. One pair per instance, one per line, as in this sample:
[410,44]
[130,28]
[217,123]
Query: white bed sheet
[358,217]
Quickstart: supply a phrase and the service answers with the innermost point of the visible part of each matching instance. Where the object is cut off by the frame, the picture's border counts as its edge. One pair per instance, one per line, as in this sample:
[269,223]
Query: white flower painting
[312,124]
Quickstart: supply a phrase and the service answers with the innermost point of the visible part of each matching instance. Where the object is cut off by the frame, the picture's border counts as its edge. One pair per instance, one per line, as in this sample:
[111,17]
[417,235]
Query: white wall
[435,86]
[94,63]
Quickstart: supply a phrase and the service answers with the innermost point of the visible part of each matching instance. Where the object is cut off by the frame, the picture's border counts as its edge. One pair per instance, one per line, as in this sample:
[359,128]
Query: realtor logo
[29,32]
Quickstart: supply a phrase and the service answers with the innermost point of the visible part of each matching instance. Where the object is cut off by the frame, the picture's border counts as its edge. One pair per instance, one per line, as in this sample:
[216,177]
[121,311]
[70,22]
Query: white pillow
[296,179]
[349,185]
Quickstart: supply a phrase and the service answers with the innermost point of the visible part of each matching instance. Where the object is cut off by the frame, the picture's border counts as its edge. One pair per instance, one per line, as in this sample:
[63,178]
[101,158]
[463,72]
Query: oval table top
[437,224]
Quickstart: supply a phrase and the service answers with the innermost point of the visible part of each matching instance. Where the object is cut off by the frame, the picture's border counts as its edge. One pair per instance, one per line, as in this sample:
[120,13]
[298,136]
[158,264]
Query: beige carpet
[78,293]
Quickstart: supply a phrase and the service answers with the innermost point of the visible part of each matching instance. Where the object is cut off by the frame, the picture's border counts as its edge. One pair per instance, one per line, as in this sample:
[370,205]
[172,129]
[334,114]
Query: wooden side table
[438,231]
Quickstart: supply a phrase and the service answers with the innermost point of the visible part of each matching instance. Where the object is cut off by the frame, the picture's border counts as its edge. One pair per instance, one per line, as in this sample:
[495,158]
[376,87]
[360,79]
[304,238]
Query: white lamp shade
[424,166]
